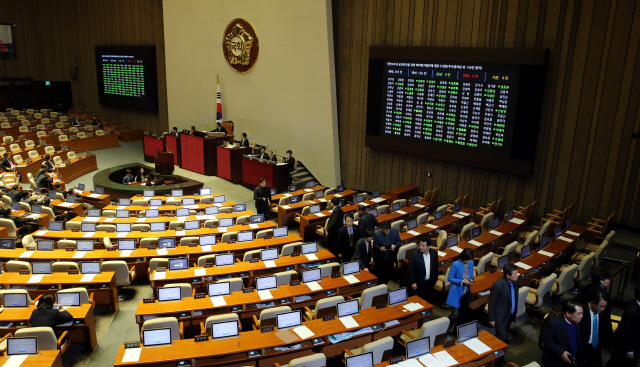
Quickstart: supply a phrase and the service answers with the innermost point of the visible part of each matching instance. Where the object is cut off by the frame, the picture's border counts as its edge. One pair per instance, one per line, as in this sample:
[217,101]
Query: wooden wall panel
[591,105]
[51,36]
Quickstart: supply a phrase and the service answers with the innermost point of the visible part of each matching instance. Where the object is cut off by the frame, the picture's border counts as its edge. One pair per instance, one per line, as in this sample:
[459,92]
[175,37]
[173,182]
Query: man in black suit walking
[363,253]
[561,337]
[593,329]
[503,302]
[626,350]
[423,270]
[348,236]
[333,226]
[600,280]
[367,220]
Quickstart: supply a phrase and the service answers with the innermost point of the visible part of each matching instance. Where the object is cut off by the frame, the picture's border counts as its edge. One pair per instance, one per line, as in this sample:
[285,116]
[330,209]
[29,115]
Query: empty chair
[206,259]
[403,251]
[565,280]
[290,248]
[63,137]
[81,135]
[14,266]
[225,209]
[398,224]
[242,219]
[522,298]
[381,349]
[443,284]
[268,316]
[158,263]
[314,360]
[205,327]
[63,244]
[173,202]
[64,266]
[71,155]
[210,222]
[373,296]
[49,149]
[206,200]
[324,307]
[163,323]
[99,132]
[7,139]
[509,249]
[486,221]
[60,196]
[138,227]
[383,209]
[529,240]
[465,232]
[139,202]
[29,144]
[12,231]
[441,240]
[226,237]
[18,159]
[483,262]
[33,154]
[46,338]
[105,227]
[185,241]
[27,208]
[436,330]
[599,254]
[327,269]
[537,296]
[264,232]
[250,255]
[284,277]
[57,160]
[422,218]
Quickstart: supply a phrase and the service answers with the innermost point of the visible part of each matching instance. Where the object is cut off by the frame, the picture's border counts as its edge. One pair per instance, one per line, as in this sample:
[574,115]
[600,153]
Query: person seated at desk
[219,129]
[128,178]
[47,162]
[271,157]
[46,316]
[97,124]
[57,188]
[30,225]
[290,161]
[263,154]
[139,177]
[45,181]
[42,169]
[75,121]
[244,143]
[14,193]
[7,164]
[59,215]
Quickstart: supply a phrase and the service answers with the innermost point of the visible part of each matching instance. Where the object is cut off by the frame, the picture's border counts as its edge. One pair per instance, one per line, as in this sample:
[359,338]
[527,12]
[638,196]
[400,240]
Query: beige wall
[288,98]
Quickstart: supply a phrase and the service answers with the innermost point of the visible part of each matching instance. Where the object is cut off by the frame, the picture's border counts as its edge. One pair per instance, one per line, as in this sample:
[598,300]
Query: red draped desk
[230,163]
[277,176]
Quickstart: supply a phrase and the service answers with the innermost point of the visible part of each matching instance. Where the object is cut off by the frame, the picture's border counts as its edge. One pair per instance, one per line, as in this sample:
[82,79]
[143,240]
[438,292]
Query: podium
[199,154]
[164,163]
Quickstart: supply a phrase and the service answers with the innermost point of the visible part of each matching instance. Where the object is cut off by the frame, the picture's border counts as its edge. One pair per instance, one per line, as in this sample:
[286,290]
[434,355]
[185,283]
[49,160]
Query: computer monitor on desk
[22,346]
[281,232]
[156,337]
[169,294]
[348,308]
[289,320]
[224,329]
[502,261]
[219,289]
[360,360]
[418,347]
[266,282]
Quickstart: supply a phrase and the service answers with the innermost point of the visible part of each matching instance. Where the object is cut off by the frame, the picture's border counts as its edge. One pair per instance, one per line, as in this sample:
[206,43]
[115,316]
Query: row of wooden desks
[429,229]
[287,213]
[81,331]
[277,197]
[86,144]
[191,311]
[166,208]
[44,358]
[233,351]
[535,266]
[160,219]
[199,277]
[103,285]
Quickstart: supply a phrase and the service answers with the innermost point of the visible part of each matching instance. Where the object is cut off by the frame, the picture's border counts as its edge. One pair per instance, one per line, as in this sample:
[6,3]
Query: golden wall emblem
[240,45]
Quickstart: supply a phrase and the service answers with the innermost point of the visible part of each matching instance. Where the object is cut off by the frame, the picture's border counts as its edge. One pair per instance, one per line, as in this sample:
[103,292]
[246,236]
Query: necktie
[351,237]
[594,340]
[513,299]
[12,166]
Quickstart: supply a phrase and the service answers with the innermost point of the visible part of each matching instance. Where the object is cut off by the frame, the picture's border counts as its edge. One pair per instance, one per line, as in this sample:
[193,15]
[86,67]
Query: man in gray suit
[503,302]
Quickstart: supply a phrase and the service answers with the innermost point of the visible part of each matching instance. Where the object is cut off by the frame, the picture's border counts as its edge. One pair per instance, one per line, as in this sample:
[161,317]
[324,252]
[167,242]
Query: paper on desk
[91,219]
[496,232]
[477,346]
[65,204]
[418,205]
[270,264]
[414,233]
[140,220]
[445,358]
[320,214]
[413,306]
[180,233]
[16,361]
[87,278]
[94,195]
[200,272]
[309,190]
[303,332]
[108,220]
[254,226]
[410,363]
[126,253]
[442,254]
[218,301]
[348,322]
[314,286]
[391,323]
[206,248]
[573,233]
[464,214]
[377,200]
[401,212]
[35,279]
[475,243]
[323,200]
[122,234]
[160,275]
[79,254]
[432,226]
[351,279]
[430,361]
[458,215]
[41,233]
[265,294]
[484,293]
[565,239]
[154,207]
[26,254]
[88,234]
[311,257]
[133,355]
[456,249]
[286,207]
[162,251]
[522,265]
[222,229]
[121,208]
[545,253]
[516,220]
[181,219]
[218,205]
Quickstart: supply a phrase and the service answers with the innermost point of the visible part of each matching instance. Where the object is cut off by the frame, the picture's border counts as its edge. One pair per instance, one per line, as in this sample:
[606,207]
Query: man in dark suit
[593,329]
[47,162]
[244,142]
[290,161]
[385,243]
[15,194]
[263,153]
[503,302]
[348,236]
[333,226]
[220,129]
[128,178]
[423,271]
[626,349]
[600,280]
[57,188]
[561,337]
[46,316]
[7,164]
[45,181]
[271,157]
[262,197]
[367,220]
[364,251]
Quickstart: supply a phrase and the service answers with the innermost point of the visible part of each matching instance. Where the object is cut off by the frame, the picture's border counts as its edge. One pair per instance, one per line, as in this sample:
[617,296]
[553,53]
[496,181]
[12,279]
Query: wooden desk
[165,198]
[130,135]
[299,192]
[35,165]
[233,351]
[142,220]
[429,229]
[540,264]
[103,285]
[83,330]
[43,219]
[277,176]
[166,208]
[98,201]
[44,358]
[308,222]
[246,270]
[192,311]
[405,212]
[287,213]
[404,192]
[230,163]
[62,205]
[86,144]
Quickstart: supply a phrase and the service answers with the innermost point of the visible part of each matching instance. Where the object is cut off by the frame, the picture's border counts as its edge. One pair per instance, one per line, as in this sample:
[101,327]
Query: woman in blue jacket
[461,279]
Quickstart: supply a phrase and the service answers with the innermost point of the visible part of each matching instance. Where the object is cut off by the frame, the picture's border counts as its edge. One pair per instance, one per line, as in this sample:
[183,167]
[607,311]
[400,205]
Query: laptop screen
[476,231]
[15,299]
[268,282]
[44,245]
[124,202]
[151,213]
[395,207]
[414,200]
[319,194]
[155,202]
[68,299]
[568,221]
[544,242]
[177,192]
[313,209]
[496,223]
[224,259]
[211,210]
[148,193]
[7,243]
[154,337]
[294,199]
[219,289]
[457,207]
[359,199]
[291,188]
[55,226]
[208,240]
[99,190]
[52,196]
[205,192]
[169,294]
[126,245]
[224,329]
[166,243]
[188,201]
[360,360]
[237,208]
[558,231]
[178,264]
[123,227]
[510,214]
[525,251]
[397,296]
[269,254]
[312,275]
[418,347]
[182,212]
[81,187]
[467,331]
[311,184]
[289,320]
[90,267]
[71,199]
[41,267]
[309,248]
[412,224]
[191,225]
[273,192]
[225,222]
[36,209]
[15,205]
[452,241]
[245,236]
[122,214]
[340,188]
[94,213]
[280,232]
[157,227]
[256,219]
[373,212]
[502,261]
[437,216]
[348,308]
[352,267]
[88,227]
[219,199]
[22,346]
[376,193]
[84,245]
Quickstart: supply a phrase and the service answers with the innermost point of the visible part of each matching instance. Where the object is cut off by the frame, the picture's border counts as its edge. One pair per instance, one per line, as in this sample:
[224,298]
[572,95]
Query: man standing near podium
[244,143]
[262,196]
